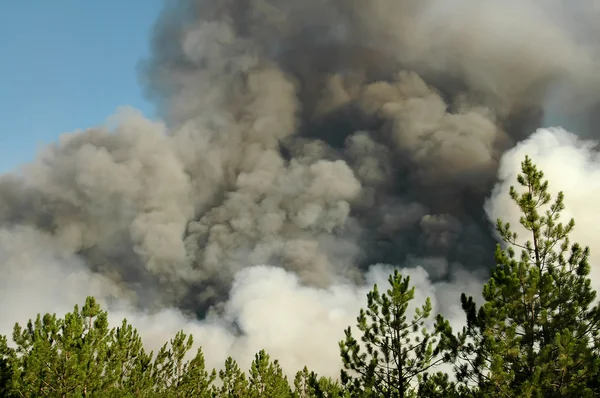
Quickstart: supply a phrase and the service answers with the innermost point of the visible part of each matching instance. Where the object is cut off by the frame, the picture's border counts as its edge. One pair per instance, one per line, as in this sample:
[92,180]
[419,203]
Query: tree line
[536,334]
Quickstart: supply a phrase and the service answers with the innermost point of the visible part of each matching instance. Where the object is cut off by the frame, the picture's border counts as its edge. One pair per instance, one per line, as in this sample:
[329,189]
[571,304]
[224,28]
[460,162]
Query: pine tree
[308,384]
[197,381]
[128,369]
[266,378]
[175,377]
[6,371]
[78,356]
[304,384]
[234,382]
[61,357]
[438,385]
[397,351]
[534,335]
[326,387]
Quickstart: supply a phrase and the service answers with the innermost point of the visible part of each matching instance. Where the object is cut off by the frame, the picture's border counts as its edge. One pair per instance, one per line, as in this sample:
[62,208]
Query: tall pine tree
[233,381]
[396,352]
[61,357]
[266,378]
[534,335]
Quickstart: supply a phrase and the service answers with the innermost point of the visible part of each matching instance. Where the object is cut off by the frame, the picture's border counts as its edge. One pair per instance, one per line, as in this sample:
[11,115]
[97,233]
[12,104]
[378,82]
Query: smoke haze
[305,149]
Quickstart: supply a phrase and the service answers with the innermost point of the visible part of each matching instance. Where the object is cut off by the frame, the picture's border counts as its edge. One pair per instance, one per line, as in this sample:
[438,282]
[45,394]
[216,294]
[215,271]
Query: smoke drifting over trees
[305,149]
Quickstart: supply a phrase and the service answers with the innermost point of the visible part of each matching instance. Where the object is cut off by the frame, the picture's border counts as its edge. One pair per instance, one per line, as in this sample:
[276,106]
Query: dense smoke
[305,149]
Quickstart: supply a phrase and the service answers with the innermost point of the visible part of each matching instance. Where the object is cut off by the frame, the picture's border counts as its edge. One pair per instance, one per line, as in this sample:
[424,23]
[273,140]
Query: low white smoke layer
[39,278]
[571,165]
[269,308]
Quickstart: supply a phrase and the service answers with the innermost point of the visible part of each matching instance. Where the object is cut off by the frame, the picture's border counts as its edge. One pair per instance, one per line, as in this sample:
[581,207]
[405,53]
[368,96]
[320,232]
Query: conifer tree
[439,385]
[266,378]
[396,350]
[129,369]
[197,380]
[175,377]
[304,384]
[308,384]
[534,335]
[61,357]
[234,382]
[6,371]
[77,356]
[326,387]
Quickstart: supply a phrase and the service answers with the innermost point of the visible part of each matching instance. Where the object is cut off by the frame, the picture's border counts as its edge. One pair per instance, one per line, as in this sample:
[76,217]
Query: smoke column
[305,149]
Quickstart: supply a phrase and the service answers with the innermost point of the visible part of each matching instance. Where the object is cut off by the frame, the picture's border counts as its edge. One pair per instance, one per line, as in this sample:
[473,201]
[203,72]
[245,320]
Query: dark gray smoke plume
[318,136]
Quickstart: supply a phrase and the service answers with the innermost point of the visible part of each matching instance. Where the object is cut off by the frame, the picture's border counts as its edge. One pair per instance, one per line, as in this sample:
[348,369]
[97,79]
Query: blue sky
[67,65]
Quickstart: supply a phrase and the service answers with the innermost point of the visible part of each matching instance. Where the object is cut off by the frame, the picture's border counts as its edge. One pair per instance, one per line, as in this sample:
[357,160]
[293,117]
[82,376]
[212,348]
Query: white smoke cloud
[39,278]
[269,308]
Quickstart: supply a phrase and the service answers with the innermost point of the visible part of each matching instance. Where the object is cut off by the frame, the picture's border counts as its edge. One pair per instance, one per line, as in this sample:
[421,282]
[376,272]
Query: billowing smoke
[305,149]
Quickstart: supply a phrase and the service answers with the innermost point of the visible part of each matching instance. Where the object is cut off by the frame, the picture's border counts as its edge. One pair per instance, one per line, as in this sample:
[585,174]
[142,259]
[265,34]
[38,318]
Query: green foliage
[266,378]
[437,385]
[309,385]
[78,356]
[6,370]
[175,377]
[397,351]
[128,369]
[533,336]
[234,383]
[304,384]
[61,357]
